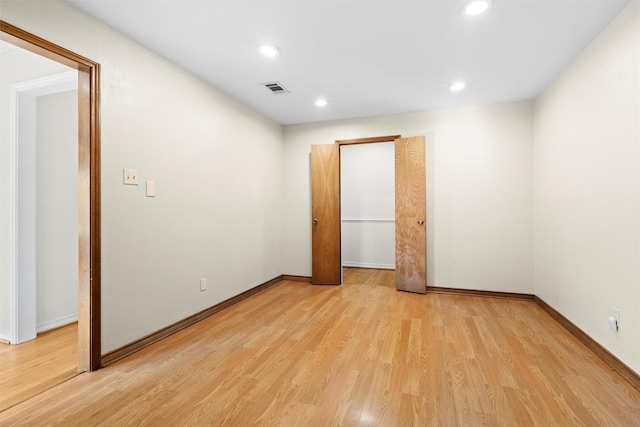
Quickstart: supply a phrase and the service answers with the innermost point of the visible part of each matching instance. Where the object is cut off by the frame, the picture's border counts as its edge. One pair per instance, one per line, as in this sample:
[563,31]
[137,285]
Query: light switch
[151,189]
[130,176]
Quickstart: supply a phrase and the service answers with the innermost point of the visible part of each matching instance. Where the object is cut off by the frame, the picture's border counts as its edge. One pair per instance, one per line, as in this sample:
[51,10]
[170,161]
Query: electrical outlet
[129,176]
[615,312]
[203,284]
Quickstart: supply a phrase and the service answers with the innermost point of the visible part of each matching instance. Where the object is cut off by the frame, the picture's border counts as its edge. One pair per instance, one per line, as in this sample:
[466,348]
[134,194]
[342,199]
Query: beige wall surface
[479,191]
[587,243]
[217,166]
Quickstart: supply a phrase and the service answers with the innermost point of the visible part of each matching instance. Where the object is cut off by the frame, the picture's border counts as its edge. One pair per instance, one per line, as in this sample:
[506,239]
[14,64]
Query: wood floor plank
[37,365]
[354,355]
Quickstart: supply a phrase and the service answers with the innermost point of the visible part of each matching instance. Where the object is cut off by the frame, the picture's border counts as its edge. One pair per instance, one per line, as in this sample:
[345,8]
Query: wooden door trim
[389,138]
[89,333]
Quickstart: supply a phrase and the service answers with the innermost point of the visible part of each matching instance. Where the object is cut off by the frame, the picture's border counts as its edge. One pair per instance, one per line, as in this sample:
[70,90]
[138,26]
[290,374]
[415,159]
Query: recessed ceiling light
[321,102]
[476,7]
[456,86]
[268,50]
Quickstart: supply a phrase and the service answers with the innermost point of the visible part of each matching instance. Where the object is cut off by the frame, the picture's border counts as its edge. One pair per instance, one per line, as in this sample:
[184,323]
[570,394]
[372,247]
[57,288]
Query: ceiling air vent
[275,87]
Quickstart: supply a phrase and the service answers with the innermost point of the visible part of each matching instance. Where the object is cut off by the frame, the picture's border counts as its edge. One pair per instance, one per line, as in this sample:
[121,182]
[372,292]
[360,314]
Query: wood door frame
[368,140]
[89,209]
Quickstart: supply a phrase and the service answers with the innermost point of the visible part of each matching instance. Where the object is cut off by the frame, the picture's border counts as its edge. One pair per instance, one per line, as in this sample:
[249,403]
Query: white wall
[367,191]
[218,170]
[17,66]
[587,243]
[57,209]
[479,191]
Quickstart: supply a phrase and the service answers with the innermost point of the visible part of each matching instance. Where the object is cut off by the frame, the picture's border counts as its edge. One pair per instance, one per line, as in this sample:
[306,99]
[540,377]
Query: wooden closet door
[411,207]
[325,215]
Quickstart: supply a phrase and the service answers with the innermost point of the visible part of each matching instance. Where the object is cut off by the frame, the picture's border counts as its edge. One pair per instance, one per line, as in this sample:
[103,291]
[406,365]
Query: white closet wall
[368,206]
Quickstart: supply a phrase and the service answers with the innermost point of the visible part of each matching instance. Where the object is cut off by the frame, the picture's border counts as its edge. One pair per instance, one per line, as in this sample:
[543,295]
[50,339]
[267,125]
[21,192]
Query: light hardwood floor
[355,355]
[34,366]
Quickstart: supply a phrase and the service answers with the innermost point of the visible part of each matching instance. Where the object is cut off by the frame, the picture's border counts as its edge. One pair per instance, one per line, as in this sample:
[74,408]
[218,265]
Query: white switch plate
[203,284]
[130,176]
[151,189]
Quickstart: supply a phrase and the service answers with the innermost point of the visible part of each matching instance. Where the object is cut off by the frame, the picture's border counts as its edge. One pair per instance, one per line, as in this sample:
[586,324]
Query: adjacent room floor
[358,354]
[37,365]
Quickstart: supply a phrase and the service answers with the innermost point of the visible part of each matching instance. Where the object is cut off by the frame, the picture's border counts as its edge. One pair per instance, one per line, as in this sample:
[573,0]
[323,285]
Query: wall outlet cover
[129,176]
[615,311]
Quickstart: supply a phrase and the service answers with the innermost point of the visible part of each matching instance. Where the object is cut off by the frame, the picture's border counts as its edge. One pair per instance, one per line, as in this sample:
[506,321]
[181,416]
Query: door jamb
[89,209]
[389,138]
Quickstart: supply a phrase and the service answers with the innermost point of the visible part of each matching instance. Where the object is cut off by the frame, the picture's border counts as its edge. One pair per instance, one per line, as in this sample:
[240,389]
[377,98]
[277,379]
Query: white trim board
[62,321]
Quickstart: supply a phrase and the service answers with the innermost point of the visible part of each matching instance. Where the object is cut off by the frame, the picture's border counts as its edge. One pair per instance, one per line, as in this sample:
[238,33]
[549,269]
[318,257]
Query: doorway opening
[367,198]
[88,196]
[410,212]
[43,160]
[43,155]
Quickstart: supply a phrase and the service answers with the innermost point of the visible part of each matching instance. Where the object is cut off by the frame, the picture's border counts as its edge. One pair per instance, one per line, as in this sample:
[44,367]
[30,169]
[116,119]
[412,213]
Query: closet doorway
[367,206]
[409,212]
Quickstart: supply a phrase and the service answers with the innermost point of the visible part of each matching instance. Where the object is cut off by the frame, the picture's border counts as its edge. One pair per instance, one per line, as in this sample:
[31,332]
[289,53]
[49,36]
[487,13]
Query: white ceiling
[364,57]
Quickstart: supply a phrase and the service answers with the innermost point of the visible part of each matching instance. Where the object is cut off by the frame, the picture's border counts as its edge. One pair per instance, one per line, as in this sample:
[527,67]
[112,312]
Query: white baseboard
[5,336]
[57,323]
[367,265]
